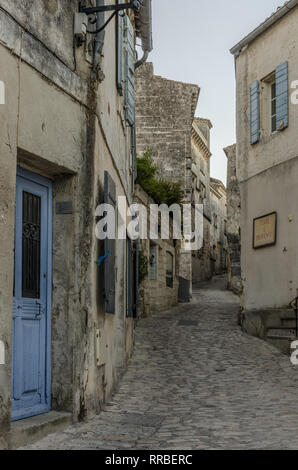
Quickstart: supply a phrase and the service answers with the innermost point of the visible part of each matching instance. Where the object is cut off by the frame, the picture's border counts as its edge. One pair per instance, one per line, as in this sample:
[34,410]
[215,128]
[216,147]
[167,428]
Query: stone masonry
[164,116]
[155,292]
[205,386]
[233,223]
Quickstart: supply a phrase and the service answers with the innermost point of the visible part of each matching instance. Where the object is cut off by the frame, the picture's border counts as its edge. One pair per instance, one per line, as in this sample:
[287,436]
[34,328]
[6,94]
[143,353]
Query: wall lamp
[82,21]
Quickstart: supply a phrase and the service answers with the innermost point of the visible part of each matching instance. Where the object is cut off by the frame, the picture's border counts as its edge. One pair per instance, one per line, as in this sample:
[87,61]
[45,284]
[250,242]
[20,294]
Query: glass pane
[273,90]
[31,246]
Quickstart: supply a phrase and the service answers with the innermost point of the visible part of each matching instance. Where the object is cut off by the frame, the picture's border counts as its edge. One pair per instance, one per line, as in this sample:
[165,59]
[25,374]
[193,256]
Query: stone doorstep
[281,333]
[27,431]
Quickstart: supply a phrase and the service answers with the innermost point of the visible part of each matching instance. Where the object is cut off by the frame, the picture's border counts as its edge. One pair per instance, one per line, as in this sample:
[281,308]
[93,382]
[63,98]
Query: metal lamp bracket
[134,5]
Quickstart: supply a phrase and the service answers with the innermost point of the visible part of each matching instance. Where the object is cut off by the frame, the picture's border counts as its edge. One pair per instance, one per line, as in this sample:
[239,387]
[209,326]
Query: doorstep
[27,431]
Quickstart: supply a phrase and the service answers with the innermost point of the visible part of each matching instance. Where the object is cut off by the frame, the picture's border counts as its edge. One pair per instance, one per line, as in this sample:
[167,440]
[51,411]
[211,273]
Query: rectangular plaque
[264,231]
[64,207]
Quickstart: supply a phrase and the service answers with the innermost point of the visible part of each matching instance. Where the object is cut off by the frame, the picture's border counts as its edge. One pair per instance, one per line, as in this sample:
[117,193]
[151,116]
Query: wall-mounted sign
[264,231]
[64,207]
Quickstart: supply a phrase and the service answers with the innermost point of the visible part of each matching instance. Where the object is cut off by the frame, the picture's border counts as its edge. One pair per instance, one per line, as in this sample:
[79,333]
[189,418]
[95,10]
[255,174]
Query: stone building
[267,167]
[67,145]
[158,290]
[201,261]
[164,117]
[233,223]
[218,228]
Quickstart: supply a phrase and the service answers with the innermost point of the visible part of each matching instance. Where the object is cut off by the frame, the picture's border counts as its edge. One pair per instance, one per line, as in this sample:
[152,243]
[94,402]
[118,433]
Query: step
[281,333]
[27,431]
[289,322]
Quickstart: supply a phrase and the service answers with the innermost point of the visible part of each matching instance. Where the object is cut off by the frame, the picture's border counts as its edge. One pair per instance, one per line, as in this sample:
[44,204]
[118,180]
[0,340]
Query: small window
[170,270]
[153,263]
[273,106]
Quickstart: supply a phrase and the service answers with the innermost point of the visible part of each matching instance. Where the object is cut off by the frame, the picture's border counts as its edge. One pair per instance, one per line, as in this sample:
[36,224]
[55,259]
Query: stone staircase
[282,336]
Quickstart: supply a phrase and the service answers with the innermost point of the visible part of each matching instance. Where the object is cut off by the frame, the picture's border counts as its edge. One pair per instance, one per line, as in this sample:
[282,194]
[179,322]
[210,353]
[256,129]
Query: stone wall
[201,260]
[164,116]
[154,294]
[218,227]
[233,223]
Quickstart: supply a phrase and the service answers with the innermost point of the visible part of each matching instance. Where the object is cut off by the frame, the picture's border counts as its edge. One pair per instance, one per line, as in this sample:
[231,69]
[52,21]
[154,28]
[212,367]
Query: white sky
[192,39]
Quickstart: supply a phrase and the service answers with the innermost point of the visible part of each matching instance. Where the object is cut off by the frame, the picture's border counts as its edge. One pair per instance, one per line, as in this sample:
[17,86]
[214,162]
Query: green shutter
[254,113]
[110,245]
[120,29]
[282,96]
[129,72]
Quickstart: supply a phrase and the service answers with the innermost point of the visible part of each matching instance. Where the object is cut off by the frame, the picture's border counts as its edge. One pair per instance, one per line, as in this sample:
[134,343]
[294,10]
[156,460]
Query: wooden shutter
[282,96]
[129,310]
[132,280]
[254,113]
[136,279]
[110,245]
[129,72]
[120,30]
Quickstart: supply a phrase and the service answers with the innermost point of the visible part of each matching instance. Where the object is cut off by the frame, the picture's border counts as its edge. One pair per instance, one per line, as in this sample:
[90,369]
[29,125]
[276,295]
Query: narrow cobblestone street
[196,382]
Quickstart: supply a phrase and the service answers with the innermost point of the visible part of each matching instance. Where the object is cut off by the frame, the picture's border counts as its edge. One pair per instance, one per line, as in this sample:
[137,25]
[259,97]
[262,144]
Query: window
[153,263]
[170,270]
[273,106]
[274,112]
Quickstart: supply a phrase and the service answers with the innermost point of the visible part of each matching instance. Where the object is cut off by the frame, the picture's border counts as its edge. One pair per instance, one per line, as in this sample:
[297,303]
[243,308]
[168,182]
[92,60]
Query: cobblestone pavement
[196,382]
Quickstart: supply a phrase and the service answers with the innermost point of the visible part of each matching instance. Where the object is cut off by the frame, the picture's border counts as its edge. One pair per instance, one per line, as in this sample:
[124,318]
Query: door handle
[38,315]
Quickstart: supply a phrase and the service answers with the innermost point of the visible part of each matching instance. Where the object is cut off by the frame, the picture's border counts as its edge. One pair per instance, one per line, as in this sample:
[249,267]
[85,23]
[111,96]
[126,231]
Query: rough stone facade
[164,116]
[233,223]
[61,121]
[201,260]
[218,229]
[158,291]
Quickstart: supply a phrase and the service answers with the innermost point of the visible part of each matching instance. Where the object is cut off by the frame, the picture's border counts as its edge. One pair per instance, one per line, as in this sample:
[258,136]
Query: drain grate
[188,323]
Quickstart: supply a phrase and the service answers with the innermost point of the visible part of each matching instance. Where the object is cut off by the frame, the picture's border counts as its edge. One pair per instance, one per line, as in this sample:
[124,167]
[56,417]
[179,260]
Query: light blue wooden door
[32,297]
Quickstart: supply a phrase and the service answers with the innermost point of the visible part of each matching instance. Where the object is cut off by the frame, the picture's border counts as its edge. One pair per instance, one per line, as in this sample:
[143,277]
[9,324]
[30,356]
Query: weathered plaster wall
[267,171]
[270,274]
[50,21]
[256,62]
[8,156]
[233,223]
[51,126]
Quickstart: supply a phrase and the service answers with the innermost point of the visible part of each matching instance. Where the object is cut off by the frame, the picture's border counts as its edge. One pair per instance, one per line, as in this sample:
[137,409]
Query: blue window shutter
[120,30]
[254,113]
[282,96]
[129,72]
[109,245]
[134,157]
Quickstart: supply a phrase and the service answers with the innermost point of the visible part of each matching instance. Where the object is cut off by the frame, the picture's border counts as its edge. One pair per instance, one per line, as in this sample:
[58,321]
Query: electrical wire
[104,26]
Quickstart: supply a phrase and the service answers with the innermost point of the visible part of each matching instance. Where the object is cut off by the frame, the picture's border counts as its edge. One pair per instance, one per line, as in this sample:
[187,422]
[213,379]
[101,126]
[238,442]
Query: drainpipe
[142,60]
[144,20]
[100,37]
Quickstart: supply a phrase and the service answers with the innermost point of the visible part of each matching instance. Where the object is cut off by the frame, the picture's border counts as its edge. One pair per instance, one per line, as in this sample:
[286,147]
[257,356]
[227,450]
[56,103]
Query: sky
[192,39]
